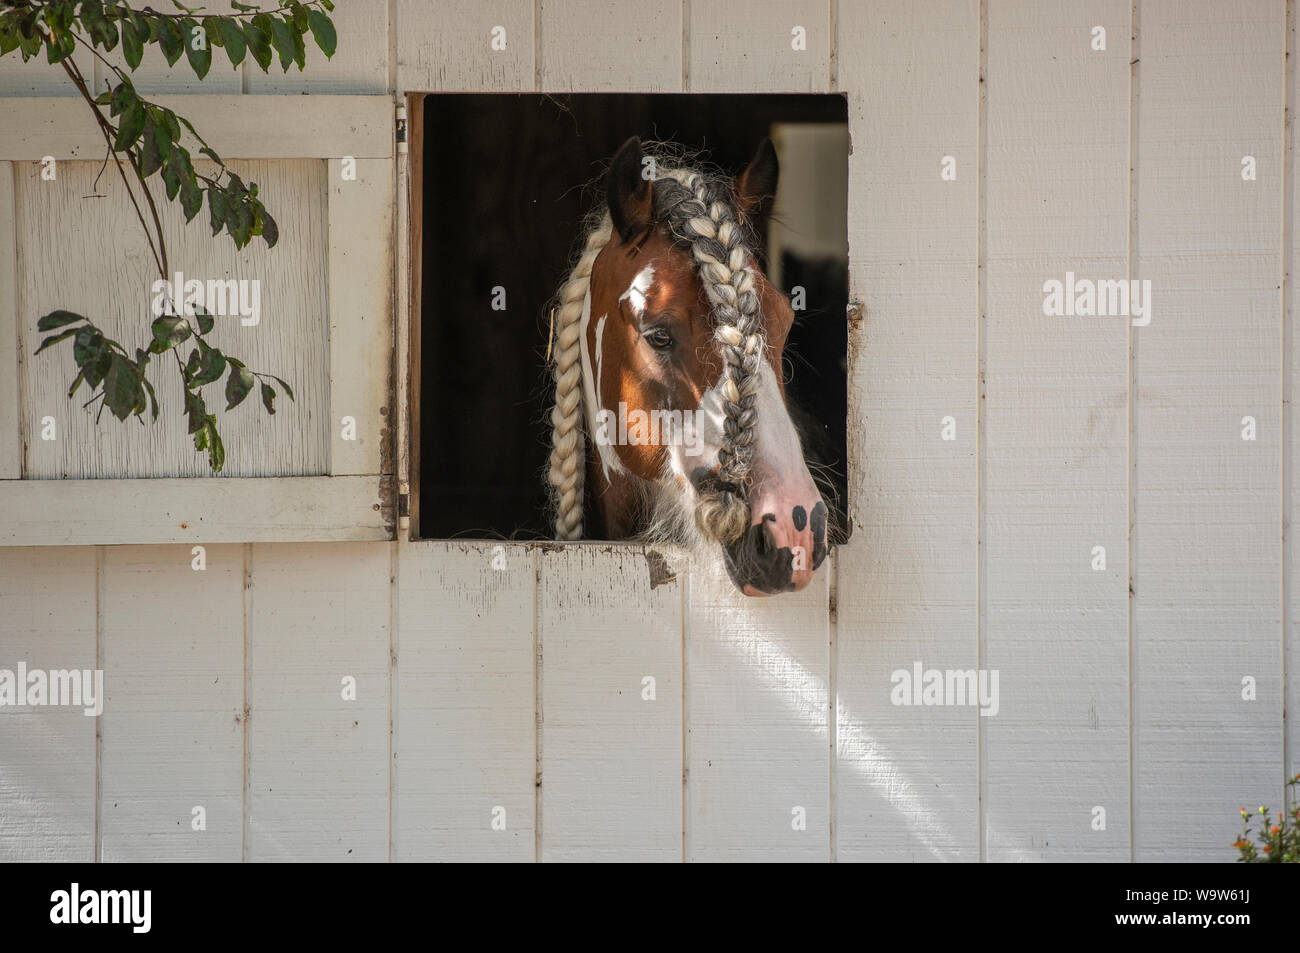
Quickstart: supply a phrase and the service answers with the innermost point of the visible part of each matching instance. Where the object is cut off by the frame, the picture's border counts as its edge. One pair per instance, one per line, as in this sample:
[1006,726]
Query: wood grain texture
[38,77]
[360,313]
[11,450]
[907,777]
[465,719]
[318,778]
[607,46]
[172,643]
[448,48]
[153,75]
[290,127]
[1290,443]
[1055,444]
[741,46]
[1206,577]
[757,721]
[47,754]
[611,756]
[66,512]
[359,64]
[64,265]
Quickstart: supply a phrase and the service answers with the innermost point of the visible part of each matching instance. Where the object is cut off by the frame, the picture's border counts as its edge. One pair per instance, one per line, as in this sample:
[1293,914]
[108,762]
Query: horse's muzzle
[780,551]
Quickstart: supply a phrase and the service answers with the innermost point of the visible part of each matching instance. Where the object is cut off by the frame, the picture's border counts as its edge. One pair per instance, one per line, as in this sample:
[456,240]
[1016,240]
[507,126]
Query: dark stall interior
[507,180]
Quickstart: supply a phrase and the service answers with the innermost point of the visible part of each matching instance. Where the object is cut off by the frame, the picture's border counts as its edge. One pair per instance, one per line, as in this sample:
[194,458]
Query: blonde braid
[568,449]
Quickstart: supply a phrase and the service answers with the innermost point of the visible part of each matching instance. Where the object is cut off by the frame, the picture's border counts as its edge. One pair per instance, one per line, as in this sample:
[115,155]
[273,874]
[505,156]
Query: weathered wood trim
[202,510]
[269,127]
[361,311]
[11,450]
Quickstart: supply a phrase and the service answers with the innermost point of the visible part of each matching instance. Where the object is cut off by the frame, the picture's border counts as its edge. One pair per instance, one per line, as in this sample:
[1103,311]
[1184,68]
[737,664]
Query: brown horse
[670,421]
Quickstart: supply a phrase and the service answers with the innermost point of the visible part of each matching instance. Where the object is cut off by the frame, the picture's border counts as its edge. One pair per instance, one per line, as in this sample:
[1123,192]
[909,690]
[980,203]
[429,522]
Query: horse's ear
[756,186]
[628,192]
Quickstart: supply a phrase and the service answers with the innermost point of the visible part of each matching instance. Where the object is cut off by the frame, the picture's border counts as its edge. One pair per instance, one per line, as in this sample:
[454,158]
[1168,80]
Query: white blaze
[638,289]
[608,457]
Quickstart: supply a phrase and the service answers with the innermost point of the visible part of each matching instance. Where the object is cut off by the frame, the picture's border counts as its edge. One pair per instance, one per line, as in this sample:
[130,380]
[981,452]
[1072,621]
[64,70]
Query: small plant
[1278,843]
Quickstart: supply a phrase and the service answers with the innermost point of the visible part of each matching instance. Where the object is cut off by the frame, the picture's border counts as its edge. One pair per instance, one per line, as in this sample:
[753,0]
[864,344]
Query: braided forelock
[701,216]
[700,213]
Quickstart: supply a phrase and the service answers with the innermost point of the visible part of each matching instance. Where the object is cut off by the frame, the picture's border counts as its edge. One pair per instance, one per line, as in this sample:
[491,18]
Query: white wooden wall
[503,705]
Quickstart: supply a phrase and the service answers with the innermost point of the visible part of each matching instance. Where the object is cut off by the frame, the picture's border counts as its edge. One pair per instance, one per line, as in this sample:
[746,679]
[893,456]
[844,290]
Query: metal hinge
[401,128]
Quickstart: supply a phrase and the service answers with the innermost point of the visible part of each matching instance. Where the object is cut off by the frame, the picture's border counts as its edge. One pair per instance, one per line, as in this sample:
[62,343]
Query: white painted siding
[499,711]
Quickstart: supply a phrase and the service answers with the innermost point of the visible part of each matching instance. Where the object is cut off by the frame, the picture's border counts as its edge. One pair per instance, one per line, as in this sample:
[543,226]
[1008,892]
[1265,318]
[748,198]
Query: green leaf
[233,38]
[217,208]
[191,195]
[238,386]
[299,47]
[60,46]
[153,150]
[328,5]
[76,382]
[206,321]
[322,30]
[173,171]
[259,44]
[88,345]
[211,365]
[196,410]
[129,127]
[282,35]
[287,389]
[122,390]
[170,122]
[300,21]
[123,96]
[55,339]
[57,319]
[191,367]
[170,330]
[153,398]
[132,43]
[212,31]
[199,55]
[242,6]
[170,39]
[268,398]
[216,449]
[241,224]
[270,230]
[98,367]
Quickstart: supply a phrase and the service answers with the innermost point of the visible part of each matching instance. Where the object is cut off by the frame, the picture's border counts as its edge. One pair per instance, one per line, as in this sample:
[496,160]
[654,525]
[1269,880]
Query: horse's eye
[659,339]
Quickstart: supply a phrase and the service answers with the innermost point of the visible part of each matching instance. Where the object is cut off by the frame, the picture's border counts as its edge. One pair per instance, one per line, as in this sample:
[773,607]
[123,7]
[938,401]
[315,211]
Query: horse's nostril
[799,516]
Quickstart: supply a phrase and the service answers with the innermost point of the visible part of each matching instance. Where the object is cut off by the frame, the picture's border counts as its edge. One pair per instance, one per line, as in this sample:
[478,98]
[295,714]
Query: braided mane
[700,213]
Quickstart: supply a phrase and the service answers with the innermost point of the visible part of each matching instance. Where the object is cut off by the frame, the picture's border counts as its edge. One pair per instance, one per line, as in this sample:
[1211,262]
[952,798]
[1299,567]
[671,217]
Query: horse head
[669,363]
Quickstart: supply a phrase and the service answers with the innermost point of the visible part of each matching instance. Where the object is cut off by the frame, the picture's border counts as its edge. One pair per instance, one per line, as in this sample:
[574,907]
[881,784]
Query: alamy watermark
[1087,298]
[70,688]
[931,686]
[653,428]
[218,297]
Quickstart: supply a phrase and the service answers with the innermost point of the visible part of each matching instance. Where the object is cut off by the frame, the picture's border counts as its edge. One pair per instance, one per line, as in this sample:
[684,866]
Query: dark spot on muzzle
[755,560]
[819,534]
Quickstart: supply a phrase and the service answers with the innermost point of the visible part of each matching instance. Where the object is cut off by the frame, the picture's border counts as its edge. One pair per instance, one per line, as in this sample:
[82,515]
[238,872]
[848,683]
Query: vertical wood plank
[743,46]
[596,45]
[757,721]
[465,719]
[11,450]
[1055,445]
[1207,608]
[47,754]
[449,48]
[361,312]
[173,736]
[317,763]
[611,755]
[64,264]
[1291,438]
[907,777]
[359,64]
